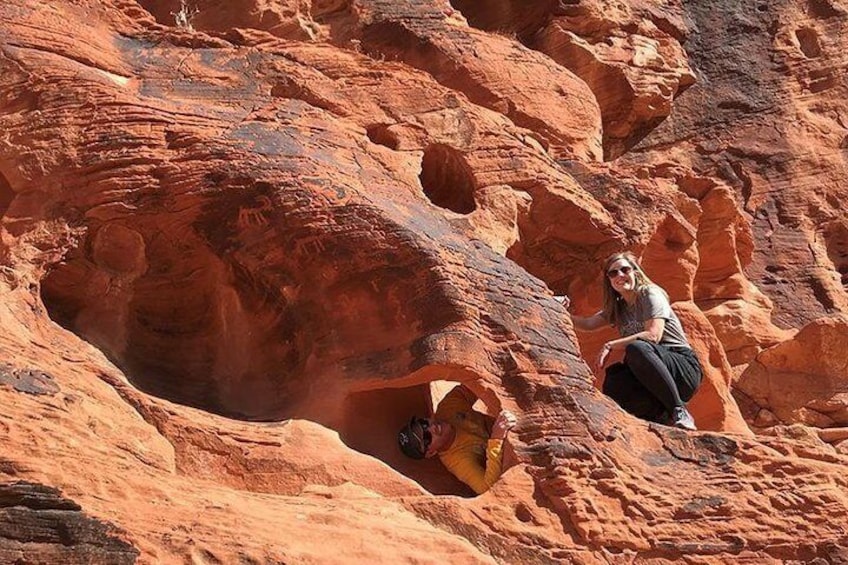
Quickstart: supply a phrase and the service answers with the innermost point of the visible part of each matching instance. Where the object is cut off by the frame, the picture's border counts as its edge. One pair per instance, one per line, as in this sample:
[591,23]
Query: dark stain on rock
[700,507]
[723,545]
[703,449]
[39,525]
[29,381]
[723,448]
[11,467]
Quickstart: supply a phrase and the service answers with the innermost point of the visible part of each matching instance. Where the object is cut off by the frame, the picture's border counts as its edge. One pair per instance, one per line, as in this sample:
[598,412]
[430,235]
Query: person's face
[440,434]
[622,276]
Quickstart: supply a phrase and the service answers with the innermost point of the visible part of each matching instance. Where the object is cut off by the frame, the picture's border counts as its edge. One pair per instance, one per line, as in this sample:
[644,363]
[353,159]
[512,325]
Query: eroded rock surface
[240,241]
[769,119]
[802,380]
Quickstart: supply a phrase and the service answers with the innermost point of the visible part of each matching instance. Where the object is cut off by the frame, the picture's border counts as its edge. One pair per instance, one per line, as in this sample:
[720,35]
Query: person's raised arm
[582,323]
[589,323]
[466,393]
[460,398]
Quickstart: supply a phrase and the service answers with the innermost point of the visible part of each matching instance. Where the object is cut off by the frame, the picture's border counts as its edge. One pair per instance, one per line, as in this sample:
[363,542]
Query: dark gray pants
[653,379]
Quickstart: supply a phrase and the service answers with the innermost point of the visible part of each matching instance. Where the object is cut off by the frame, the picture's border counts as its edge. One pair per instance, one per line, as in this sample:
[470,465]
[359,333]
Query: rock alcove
[186,326]
[446,179]
[373,418]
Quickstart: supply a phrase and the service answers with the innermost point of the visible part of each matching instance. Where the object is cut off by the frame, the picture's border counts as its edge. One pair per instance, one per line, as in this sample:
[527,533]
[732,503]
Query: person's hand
[603,354]
[564,300]
[504,422]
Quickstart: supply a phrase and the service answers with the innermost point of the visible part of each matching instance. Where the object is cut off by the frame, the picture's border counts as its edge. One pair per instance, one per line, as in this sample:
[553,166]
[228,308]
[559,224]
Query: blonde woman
[660,372]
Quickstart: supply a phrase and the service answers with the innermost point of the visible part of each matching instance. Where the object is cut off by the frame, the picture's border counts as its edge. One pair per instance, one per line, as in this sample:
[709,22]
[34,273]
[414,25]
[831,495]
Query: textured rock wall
[237,252]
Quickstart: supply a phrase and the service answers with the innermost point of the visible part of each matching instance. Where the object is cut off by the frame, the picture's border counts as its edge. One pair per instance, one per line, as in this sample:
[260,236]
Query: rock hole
[6,195]
[516,20]
[447,180]
[836,243]
[371,423]
[382,135]
[824,9]
[821,80]
[287,88]
[395,42]
[523,513]
[324,9]
[487,15]
[808,41]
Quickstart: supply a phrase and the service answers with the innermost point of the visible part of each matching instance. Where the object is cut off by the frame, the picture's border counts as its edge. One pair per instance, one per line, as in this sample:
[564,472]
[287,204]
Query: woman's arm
[653,332]
[589,323]
[583,323]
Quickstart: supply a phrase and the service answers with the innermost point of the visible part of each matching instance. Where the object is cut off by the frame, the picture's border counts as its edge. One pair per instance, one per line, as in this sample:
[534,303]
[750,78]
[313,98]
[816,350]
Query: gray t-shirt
[653,303]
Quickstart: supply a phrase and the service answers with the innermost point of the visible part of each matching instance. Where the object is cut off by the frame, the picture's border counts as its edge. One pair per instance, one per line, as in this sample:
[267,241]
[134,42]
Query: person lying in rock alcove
[468,443]
[660,371]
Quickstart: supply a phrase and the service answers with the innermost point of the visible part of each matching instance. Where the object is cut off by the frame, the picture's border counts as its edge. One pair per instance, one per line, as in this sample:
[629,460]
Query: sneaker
[681,418]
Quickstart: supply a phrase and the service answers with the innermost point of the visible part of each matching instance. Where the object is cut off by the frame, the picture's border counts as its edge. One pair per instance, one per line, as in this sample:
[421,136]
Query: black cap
[409,443]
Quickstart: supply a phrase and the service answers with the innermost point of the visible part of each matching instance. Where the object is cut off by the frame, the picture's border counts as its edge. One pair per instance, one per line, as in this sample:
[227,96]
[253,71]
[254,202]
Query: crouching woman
[660,372]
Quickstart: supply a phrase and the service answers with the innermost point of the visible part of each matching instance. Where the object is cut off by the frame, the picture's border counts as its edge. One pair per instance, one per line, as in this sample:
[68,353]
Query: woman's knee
[636,351]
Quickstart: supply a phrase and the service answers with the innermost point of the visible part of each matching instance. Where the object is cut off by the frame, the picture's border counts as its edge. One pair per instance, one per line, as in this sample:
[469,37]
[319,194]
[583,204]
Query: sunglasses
[426,437]
[625,270]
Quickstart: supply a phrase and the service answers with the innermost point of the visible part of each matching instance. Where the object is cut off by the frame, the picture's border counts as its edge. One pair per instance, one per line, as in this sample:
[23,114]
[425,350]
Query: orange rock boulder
[802,380]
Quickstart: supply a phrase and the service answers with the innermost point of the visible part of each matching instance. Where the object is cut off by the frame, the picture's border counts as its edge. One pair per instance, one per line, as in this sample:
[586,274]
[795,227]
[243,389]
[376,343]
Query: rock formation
[241,242]
[802,380]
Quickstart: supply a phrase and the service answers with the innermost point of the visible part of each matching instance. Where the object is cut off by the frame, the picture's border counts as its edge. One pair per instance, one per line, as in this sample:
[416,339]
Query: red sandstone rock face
[629,54]
[236,253]
[774,131]
[801,380]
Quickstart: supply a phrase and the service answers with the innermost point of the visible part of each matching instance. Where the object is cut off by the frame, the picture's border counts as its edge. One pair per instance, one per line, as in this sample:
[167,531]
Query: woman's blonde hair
[614,303]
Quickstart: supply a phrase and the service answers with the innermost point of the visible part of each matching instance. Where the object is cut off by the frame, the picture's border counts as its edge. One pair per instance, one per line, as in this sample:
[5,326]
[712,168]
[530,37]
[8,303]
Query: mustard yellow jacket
[473,457]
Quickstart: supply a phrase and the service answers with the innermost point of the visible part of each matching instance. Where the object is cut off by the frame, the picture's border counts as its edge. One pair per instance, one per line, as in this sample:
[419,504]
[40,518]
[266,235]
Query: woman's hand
[564,300]
[504,422]
[603,354]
